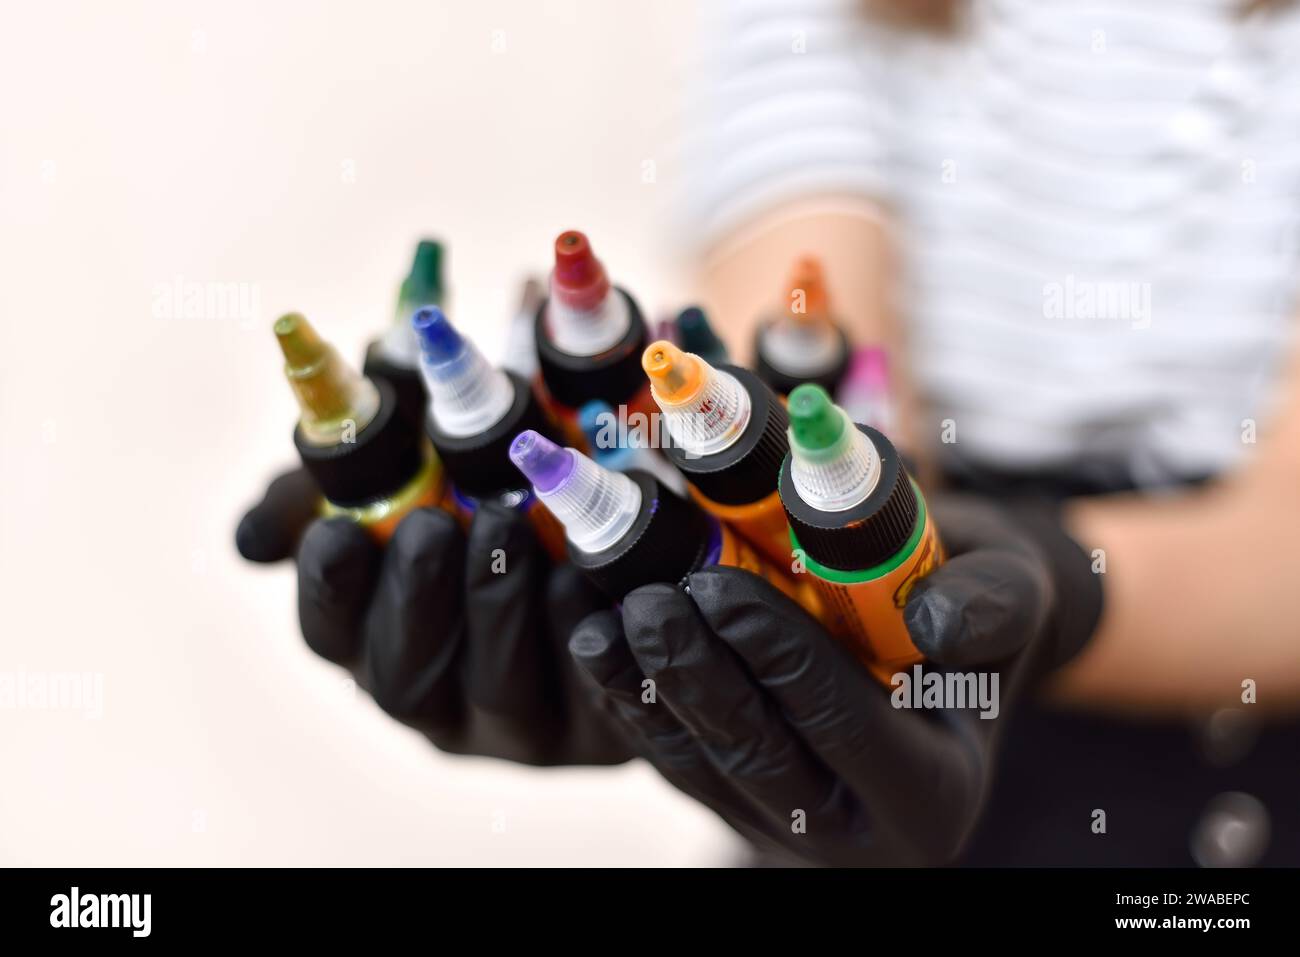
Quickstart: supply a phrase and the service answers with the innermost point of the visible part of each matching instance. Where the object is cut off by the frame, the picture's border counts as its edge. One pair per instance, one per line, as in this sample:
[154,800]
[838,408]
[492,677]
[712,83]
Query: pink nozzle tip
[870,368]
[543,463]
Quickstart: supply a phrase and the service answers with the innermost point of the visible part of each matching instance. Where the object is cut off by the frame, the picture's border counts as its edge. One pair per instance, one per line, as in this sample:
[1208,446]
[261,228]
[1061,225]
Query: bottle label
[549,530]
[761,523]
[738,553]
[427,490]
[868,615]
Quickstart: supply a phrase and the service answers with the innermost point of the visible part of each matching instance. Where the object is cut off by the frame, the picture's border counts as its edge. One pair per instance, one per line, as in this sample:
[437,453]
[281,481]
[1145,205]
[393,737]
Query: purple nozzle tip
[439,340]
[543,462]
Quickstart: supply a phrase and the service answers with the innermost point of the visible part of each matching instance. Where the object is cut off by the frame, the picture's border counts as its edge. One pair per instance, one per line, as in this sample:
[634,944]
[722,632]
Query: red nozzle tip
[579,280]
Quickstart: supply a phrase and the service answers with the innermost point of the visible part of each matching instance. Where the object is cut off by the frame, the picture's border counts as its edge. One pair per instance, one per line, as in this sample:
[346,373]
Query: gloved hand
[472,658]
[761,715]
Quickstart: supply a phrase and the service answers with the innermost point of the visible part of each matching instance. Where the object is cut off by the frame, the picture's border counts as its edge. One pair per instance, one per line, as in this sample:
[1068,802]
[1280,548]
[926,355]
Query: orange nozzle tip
[808,283]
[674,375]
[659,357]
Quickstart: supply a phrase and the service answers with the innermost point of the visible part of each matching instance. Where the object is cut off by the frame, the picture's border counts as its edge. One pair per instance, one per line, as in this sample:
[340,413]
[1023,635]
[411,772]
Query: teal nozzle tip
[425,278]
[694,334]
[815,421]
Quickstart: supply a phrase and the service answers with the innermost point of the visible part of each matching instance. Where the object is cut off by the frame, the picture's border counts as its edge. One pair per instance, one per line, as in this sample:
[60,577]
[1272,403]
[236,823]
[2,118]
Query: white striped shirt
[1100,206]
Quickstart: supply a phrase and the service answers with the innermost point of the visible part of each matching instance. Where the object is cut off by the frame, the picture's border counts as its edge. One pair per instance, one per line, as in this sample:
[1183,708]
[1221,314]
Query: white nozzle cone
[799,348]
[467,394]
[714,420]
[835,479]
[400,345]
[705,409]
[596,506]
[586,333]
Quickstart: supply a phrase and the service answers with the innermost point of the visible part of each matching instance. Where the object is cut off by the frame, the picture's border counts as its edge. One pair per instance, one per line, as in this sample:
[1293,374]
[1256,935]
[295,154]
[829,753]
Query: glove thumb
[270,530]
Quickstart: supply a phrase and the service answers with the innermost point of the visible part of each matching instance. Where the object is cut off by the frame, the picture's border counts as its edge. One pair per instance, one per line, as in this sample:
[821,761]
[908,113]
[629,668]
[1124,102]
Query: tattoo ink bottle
[625,529]
[861,525]
[521,343]
[623,452]
[803,343]
[696,336]
[728,433]
[395,356]
[475,411]
[371,463]
[589,339]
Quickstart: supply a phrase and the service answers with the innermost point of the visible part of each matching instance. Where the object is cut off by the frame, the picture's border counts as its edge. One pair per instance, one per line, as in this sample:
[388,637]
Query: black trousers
[1173,793]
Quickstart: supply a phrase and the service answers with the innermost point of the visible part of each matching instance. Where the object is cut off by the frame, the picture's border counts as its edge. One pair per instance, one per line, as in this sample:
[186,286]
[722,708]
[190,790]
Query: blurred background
[299,150]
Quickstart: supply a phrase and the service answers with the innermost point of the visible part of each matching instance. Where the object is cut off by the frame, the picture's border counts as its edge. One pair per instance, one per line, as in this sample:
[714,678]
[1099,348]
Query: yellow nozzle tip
[674,375]
[329,393]
[299,342]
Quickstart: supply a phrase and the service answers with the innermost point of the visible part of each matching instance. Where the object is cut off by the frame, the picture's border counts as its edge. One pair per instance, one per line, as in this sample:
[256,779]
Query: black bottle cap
[783,383]
[865,535]
[613,375]
[746,472]
[385,456]
[478,465]
[669,540]
[407,382]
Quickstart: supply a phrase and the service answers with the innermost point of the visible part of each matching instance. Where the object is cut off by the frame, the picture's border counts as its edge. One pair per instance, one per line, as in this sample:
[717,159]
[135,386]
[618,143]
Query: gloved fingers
[415,624]
[571,713]
[737,725]
[509,669]
[337,565]
[271,529]
[600,650]
[570,598]
[900,765]
[967,523]
[980,607]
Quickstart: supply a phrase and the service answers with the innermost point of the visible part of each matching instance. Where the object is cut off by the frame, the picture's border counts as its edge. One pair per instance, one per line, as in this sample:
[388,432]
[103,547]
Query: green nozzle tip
[426,271]
[815,421]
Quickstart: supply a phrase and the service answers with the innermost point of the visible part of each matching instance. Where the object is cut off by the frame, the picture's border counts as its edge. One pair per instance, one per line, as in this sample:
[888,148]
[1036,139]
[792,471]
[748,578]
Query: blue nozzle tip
[592,417]
[439,340]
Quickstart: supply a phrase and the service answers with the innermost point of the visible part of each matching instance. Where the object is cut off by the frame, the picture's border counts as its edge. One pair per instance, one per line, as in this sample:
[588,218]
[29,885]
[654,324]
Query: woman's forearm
[1202,589]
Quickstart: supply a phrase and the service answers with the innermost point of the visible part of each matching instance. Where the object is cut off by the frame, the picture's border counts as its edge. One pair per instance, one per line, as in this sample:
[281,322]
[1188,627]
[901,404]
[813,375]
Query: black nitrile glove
[444,640]
[761,715]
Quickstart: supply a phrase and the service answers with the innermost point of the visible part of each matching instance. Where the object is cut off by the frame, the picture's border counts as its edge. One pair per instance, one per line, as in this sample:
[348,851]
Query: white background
[149,141]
